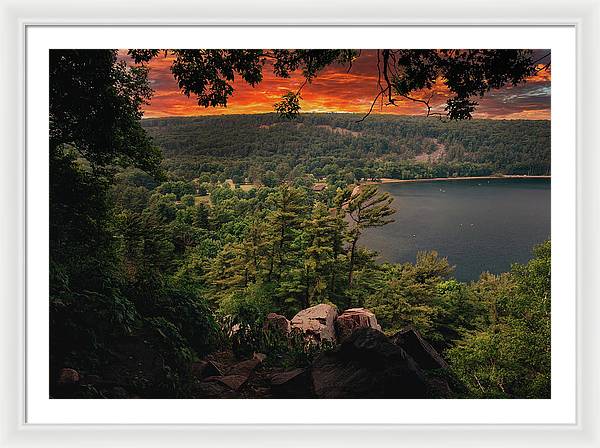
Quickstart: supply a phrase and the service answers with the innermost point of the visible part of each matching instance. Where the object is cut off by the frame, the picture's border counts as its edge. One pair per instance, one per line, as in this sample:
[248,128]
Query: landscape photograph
[300,223]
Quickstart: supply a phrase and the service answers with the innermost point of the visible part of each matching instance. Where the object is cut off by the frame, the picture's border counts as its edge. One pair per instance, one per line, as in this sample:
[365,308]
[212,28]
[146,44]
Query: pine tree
[340,233]
[320,233]
[284,221]
[366,208]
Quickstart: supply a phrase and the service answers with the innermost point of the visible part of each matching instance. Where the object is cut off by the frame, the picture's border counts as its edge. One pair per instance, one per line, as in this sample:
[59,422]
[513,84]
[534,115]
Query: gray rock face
[367,365]
[353,319]
[317,322]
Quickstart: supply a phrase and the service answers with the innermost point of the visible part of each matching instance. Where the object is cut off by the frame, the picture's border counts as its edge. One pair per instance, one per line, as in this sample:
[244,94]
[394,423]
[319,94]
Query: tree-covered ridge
[338,146]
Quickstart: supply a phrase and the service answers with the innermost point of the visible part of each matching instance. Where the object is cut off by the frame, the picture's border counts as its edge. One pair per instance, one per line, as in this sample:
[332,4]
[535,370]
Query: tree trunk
[352,256]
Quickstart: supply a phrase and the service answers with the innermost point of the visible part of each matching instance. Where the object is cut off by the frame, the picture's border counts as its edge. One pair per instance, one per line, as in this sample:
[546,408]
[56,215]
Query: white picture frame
[583,16]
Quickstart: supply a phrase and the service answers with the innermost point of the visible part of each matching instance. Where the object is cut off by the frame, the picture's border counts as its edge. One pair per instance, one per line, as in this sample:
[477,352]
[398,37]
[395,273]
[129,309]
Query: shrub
[83,326]
[173,375]
[193,319]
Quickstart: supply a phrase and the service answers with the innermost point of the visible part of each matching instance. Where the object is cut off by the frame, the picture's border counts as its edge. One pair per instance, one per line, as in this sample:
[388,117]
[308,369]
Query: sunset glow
[336,89]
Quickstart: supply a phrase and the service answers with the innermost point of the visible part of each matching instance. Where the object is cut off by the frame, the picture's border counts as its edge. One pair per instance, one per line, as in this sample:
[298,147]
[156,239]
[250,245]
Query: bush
[193,319]
[84,325]
[243,315]
[173,375]
[511,357]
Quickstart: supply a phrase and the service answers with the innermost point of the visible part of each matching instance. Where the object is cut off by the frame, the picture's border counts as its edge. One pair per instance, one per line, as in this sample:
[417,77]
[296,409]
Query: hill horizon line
[378,115]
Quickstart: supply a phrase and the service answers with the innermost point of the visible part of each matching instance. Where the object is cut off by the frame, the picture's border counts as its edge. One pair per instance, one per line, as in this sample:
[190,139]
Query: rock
[236,376]
[198,369]
[244,368]
[292,384]
[209,389]
[367,365]
[217,367]
[411,341]
[277,322]
[68,376]
[259,356]
[352,319]
[234,382]
[439,388]
[317,322]
[203,369]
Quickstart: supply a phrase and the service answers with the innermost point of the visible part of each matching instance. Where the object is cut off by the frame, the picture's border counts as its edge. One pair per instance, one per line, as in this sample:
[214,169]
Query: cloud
[336,89]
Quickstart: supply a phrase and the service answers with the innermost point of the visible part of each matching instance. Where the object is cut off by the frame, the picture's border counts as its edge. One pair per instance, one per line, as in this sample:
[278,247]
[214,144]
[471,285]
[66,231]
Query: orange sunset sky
[336,90]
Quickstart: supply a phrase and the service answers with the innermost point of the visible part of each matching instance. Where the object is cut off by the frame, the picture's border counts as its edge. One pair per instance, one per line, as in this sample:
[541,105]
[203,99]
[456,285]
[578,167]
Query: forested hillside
[266,147]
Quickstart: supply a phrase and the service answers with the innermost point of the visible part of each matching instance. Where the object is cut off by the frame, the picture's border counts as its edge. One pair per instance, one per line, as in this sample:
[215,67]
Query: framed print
[334,227]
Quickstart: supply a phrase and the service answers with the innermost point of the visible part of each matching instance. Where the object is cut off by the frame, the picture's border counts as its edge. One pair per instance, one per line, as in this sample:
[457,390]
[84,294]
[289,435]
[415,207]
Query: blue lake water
[479,225]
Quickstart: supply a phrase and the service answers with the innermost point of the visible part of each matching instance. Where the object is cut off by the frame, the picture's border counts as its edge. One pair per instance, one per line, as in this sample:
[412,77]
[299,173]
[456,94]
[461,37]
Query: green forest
[162,273]
[267,149]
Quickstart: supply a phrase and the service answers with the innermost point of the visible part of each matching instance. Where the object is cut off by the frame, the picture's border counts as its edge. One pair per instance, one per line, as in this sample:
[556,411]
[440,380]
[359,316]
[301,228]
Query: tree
[269,179]
[94,130]
[94,126]
[366,208]
[511,357]
[209,74]
[409,294]
[95,106]
[340,233]
[284,221]
[320,234]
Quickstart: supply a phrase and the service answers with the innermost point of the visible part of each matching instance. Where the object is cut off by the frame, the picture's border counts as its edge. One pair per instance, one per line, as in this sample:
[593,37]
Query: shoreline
[387,180]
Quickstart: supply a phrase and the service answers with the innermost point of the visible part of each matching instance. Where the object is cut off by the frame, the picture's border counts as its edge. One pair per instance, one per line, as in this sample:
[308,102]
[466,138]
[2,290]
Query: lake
[479,225]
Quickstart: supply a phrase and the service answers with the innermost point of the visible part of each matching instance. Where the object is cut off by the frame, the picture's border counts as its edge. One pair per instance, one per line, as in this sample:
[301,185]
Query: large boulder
[353,319]
[212,389]
[294,383]
[318,322]
[236,377]
[278,323]
[203,369]
[411,341]
[367,365]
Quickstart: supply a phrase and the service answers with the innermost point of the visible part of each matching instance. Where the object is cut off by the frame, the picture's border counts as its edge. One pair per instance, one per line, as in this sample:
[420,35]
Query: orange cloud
[337,90]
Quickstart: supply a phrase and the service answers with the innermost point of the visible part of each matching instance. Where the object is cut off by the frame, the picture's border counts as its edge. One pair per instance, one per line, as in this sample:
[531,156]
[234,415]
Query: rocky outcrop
[367,365]
[364,364]
[294,383]
[227,384]
[277,322]
[353,319]
[203,369]
[411,341]
[318,322]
